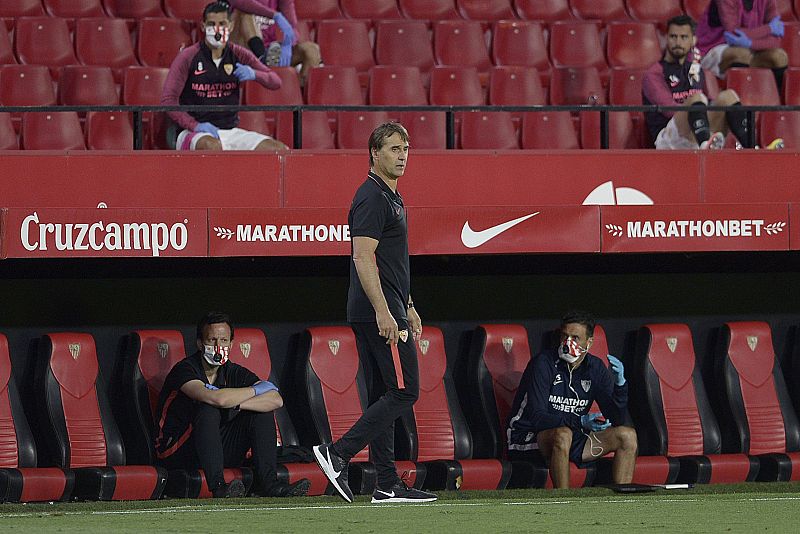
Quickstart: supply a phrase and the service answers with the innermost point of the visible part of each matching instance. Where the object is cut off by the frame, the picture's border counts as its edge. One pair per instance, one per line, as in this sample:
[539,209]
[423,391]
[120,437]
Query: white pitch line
[202,509]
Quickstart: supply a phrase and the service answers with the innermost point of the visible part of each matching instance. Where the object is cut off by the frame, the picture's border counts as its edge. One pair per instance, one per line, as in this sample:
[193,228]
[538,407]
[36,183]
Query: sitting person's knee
[562,439]
[208,143]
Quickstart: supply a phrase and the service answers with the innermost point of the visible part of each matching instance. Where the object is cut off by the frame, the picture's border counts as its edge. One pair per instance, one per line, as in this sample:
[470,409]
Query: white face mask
[216,36]
[570,351]
[215,355]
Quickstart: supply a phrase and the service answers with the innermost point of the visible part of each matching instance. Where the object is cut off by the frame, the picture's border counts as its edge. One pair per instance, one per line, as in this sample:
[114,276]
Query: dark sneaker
[296,489]
[334,468]
[234,489]
[400,492]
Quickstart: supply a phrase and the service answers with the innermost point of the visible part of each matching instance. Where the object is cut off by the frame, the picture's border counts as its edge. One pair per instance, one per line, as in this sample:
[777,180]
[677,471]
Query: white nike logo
[473,239]
[335,473]
[388,494]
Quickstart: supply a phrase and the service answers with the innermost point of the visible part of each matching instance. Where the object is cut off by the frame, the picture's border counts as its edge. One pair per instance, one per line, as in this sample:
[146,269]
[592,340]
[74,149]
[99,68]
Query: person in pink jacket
[269,29]
[742,33]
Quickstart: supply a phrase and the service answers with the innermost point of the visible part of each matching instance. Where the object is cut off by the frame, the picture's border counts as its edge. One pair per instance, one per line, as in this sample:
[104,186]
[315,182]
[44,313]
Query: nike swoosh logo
[335,473]
[199,72]
[388,494]
[473,239]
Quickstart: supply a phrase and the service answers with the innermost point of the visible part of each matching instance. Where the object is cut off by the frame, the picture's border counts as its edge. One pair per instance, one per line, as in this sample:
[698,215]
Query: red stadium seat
[160,39]
[549,130]
[109,130]
[78,426]
[755,87]
[444,444]
[6,52]
[8,137]
[515,86]
[85,85]
[576,86]
[374,9]
[654,11]
[674,412]
[20,479]
[791,87]
[353,128]
[257,121]
[543,10]
[483,10]
[625,87]
[632,45]
[488,130]
[105,42]
[191,10]
[429,9]
[461,43]
[621,131]
[127,9]
[74,9]
[695,8]
[59,130]
[318,9]
[334,85]
[761,421]
[26,85]
[785,10]
[520,43]
[346,43]
[791,42]
[43,41]
[21,8]
[391,44]
[142,86]
[456,86]
[396,85]
[602,10]
[576,44]
[317,133]
[426,129]
[289,94]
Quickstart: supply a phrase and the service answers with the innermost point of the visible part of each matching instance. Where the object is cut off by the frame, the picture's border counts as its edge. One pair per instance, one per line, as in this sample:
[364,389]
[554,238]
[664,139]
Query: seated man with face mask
[212,411]
[550,413]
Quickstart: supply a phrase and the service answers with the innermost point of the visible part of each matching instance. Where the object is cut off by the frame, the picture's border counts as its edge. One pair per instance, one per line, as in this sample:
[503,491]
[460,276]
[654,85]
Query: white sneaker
[715,142]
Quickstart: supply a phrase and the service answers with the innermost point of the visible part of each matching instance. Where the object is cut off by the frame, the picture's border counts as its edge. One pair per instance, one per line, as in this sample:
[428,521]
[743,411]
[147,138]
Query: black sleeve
[240,377]
[369,216]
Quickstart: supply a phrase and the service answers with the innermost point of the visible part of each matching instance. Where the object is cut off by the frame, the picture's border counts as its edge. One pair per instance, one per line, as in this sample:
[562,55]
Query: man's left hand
[245,73]
[776,26]
[617,369]
[415,323]
[739,38]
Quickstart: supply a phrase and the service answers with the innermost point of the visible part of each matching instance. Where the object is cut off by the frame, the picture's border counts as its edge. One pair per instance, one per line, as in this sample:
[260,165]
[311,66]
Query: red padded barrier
[74,366]
[134,482]
[730,468]
[480,474]
[42,484]
[751,353]
[672,356]
[228,474]
[9,453]
[651,468]
[159,351]
[334,359]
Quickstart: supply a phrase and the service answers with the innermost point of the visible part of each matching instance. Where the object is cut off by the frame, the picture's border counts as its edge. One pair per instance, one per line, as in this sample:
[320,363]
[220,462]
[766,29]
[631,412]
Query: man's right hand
[207,127]
[387,327]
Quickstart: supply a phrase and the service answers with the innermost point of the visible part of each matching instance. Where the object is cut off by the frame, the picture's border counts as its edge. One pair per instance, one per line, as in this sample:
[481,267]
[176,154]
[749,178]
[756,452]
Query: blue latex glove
[776,27]
[207,127]
[263,386]
[285,26]
[590,422]
[286,55]
[739,38]
[245,73]
[212,387]
[617,369]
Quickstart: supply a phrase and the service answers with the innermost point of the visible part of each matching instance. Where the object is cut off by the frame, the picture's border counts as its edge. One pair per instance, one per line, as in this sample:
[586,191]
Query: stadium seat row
[743,429]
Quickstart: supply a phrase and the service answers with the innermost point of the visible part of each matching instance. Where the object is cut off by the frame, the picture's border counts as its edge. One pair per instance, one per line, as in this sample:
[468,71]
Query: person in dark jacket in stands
[212,411]
[550,413]
[212,72]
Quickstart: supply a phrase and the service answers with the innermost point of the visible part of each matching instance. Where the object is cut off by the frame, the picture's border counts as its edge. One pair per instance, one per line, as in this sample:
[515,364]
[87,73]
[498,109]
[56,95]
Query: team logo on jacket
[333,344]
[586,385]
[424,345]
[403,335]
[163,349]
[245,348]
[558,379]
[75,350]
[228,68]
[672,343]
[752,342]
[508,344]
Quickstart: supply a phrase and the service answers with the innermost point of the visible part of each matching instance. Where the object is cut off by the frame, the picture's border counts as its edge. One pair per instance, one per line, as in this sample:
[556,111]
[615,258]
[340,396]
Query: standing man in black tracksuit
[383,318]
[551,409]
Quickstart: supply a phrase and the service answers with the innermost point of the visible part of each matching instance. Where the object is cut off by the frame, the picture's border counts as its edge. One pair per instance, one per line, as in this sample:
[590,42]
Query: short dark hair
[682,20]
[213,318]
[383,132]
[220,6]
[578,317]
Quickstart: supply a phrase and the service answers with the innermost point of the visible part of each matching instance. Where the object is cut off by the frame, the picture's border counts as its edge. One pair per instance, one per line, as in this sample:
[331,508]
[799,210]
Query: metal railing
[450,114]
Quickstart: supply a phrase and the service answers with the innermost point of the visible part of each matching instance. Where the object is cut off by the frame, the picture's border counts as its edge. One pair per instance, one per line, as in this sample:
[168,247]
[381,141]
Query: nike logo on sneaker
[472,239]
[387,493]
[199,72]
[330,462]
